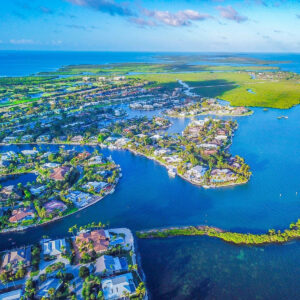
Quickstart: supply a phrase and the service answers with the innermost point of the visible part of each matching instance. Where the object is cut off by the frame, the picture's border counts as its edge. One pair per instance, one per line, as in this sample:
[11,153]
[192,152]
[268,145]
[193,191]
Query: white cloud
[22,42]
[180,18]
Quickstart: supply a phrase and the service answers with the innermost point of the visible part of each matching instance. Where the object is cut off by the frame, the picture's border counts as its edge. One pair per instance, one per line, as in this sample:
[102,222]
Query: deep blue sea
[199,267]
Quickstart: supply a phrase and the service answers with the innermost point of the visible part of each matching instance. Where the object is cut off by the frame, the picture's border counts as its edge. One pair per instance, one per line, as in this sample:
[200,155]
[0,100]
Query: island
[236,238]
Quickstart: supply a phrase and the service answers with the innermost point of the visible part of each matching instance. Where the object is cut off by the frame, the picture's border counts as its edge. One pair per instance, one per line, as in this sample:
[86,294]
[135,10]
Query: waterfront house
[21,214]
[59,173]
[99,239]
[54,206]
[222,175]
[79,198]
[54,247]
[29,152]
[77,139]
[96,186]
[196,173]
[15,258]
[108,265]
[114,288]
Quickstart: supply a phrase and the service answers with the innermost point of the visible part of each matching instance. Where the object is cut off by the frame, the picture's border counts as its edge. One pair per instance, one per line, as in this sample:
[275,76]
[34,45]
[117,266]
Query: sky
[143,25]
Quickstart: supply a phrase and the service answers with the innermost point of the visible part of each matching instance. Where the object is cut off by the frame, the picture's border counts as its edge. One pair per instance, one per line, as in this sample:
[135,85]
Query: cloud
[21,42]
[230,13]
[82,27]
[181,18]
[142,22]
[105,6]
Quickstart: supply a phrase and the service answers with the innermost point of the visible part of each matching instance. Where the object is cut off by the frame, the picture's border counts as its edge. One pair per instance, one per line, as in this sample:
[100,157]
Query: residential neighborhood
[93,263]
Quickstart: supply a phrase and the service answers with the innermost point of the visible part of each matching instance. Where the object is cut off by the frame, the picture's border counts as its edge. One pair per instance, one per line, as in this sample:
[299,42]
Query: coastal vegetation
[251,239]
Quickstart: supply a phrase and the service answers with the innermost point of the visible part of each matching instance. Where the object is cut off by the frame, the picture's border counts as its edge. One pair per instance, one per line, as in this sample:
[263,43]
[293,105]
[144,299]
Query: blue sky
[112,25]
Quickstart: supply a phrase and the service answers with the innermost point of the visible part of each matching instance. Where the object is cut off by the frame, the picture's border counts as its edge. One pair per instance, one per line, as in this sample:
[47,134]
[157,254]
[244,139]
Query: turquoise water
[199,267]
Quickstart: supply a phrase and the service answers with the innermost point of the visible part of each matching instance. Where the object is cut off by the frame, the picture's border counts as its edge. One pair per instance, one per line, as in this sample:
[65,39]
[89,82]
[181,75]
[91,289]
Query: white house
[54,247]
[114,288]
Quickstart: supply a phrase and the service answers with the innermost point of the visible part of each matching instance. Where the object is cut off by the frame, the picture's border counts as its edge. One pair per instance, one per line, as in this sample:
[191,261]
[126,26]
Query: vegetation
[271,237]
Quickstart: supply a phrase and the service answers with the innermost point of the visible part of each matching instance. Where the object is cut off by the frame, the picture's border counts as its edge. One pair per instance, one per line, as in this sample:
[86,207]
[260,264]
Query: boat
[282,117]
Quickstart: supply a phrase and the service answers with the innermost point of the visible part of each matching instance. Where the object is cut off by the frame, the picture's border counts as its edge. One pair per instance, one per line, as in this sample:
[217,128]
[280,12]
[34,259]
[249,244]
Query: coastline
[234,238]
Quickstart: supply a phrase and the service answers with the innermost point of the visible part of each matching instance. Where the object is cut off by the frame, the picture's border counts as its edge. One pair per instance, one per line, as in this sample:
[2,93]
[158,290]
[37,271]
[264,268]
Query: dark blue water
[203,268]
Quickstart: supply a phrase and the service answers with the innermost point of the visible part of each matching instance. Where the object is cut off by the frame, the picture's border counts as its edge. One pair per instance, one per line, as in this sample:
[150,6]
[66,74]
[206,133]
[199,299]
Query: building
[109,265]
[197,172]
[59,173]
[96,186]
[54,247]
[21,214]
[17,257]
[99,239]
[54,206]
[116,287]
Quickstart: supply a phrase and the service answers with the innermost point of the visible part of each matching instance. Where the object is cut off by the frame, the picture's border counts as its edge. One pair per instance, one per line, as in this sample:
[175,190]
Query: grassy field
[234,86]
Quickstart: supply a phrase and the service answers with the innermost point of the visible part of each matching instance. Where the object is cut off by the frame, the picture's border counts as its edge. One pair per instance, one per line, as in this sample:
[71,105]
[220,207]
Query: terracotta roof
[19,214]
[59,173]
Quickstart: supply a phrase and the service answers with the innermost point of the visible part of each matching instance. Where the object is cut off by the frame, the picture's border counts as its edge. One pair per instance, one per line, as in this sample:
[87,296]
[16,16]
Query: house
[36,191]
[54,206]
[109,265]
[95,160]
[50,165]
[10,191]
[27,138]
[210,151]
[114,288]
[162,151]
[16,257]
[99,239]
[80,199]
[77,139]
[9,139]
[197,172]
[43,138]
[222,175]
[21,214]
[29,152]
[52,283]
[59,173]
[55,247]
[96,186]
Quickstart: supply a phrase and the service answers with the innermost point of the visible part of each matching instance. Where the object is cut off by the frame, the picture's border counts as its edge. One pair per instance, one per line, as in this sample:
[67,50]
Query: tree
[84,272]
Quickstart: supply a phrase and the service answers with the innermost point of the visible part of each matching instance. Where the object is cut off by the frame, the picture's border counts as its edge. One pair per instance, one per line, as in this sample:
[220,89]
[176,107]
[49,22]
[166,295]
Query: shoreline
[235,238]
